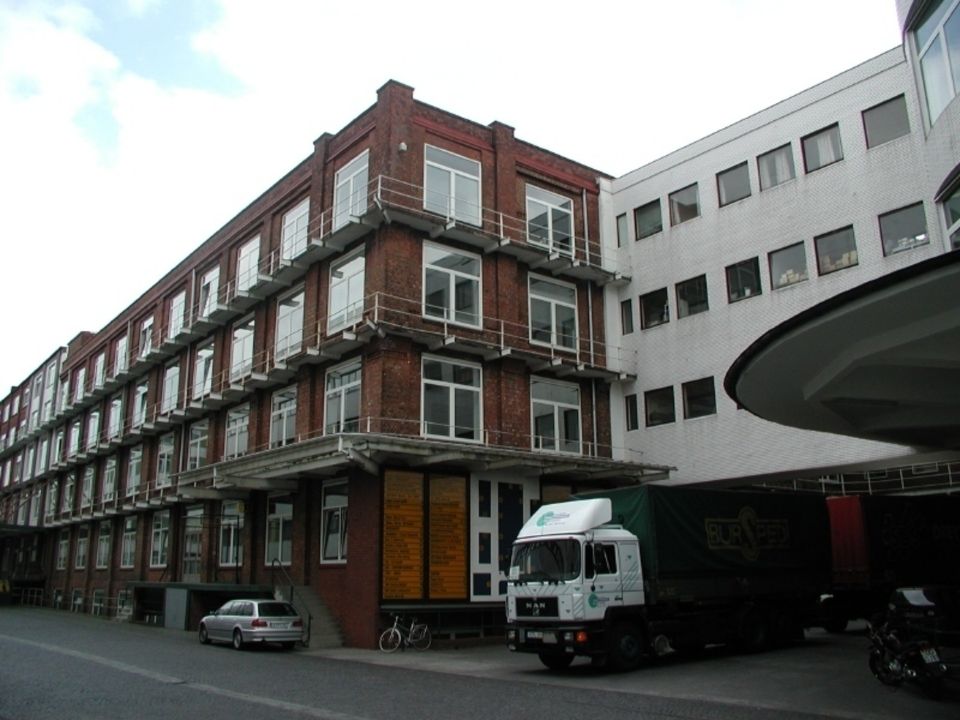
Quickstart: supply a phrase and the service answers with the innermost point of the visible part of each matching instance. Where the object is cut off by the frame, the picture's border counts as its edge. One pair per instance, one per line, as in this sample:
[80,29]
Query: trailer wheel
[626,647]
[556,661]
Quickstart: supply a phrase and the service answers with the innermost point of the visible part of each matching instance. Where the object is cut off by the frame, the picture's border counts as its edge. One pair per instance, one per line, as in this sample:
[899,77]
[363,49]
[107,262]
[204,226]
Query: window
[236,436]
[692,296]
[293,236]
[139,405]
[451,285]
[699,398]
[555,411]
[684,204]
[776,167]
[209,289]
[886,121]
[197,449]
[93,430]
[108,486]
[99,373]
[451,185]
[283,417]
[79,385]
[128,544]
[822,148]
[134,468]
[654,309]
[334,532]
[346,292]
[175,319]
[86,487]
[160,538]
[58,446]
[553,313]
[350,190]
[104,539]
[622,230]
[241,351]
[231,530]
[279,531]
[171,388]
[549,220]
[115,416]
[120,356]
[788,266]
[51,509]
[659,406]
[835,250]
[73,442]
[203,370]
[452,396]
[937,35]
[733,184]
[165,460]
[951,208]
[626,316]
[631,412]
[248,261]
[289,333]
[63,549]
[83,540]
[146,337]
[743,280]
[903,229]
[343,399]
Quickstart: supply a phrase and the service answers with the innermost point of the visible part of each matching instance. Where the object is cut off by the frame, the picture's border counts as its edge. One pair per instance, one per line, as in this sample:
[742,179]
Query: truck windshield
[545,560]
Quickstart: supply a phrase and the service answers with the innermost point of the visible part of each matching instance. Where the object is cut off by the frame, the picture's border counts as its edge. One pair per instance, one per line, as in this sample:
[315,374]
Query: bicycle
[398,635]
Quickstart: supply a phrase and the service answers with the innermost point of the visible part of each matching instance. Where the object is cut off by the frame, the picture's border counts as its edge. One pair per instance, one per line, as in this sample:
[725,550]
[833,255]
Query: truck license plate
[534,635]
[929,655]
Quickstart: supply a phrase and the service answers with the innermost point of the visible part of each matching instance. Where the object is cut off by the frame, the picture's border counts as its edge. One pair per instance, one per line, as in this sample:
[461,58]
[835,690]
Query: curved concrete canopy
[880,361]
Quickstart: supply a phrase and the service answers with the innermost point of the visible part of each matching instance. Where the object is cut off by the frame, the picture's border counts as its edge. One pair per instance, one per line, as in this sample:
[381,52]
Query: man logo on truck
[747,534]
[549,518]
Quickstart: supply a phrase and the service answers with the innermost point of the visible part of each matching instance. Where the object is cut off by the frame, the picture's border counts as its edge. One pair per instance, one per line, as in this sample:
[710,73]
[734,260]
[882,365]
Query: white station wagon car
[253,621]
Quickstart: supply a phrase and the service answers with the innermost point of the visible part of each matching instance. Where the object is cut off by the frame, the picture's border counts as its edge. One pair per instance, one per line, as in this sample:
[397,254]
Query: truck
[882,542]
[646,570]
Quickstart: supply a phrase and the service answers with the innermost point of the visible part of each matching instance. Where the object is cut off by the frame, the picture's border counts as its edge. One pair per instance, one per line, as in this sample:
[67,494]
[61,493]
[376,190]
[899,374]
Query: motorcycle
[903,643]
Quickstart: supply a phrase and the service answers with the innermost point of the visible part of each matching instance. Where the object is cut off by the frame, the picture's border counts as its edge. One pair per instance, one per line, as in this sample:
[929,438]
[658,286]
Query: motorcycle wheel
[881,669]
[932,686]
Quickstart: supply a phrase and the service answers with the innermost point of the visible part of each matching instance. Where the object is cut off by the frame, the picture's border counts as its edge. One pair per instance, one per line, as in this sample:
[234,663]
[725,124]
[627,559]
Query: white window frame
[139,415]
[108,486]
[160,539]
[248,264]
[350,190]
[146,336]
[448,312]
[282,523]
[241,348]
[452,389]
[556,338]
[100,370]
[552,203]
[336,394]
[237,426]
[334,520]
[449,207]
[208,295]
[81,549]
[128,543]
[283,412]
[115,416]
[134,470]
[197,448]
[73,442]
[230,553]
[203,370]
[63,550]
[342,313]
[293,235]
[175,316]
[947,73]
[87,486]
[171,387]
[121,355]
[559,443]
[104,544]
[80,381]
[289,326]
[93,430]
[165,460]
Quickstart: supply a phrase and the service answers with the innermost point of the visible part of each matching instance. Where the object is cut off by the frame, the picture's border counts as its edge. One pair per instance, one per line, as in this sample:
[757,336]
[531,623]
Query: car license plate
[930,655]
[534,635]
[280,625]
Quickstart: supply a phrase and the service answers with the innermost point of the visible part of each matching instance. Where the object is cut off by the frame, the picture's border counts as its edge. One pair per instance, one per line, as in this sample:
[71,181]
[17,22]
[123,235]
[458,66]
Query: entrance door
[192,537]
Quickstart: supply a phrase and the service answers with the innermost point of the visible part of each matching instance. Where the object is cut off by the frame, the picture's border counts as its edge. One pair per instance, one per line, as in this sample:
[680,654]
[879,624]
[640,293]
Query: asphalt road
[57,665]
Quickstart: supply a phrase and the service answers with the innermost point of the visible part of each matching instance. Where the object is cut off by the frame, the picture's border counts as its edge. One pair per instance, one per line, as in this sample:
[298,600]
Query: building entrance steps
[324,630]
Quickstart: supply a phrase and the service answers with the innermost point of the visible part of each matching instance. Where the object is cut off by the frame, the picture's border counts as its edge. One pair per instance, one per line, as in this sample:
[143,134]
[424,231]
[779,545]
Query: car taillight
[298,623]
[258,622]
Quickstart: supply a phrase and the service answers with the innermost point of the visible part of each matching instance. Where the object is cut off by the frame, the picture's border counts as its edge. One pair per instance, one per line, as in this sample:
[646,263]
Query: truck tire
[626,647]
[753,630]
[555,660]
[834,619]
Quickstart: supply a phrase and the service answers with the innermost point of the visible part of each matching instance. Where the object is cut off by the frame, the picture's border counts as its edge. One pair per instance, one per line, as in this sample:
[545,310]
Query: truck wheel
[834,619]
[626,647]
[556,661]
[753,632]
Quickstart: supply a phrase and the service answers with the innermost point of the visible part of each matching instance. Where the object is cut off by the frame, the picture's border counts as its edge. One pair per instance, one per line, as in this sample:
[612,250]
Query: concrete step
[324,629]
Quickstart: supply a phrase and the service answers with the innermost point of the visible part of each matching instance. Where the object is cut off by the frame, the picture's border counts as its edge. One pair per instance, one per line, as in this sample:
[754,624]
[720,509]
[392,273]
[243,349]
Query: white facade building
[728,237]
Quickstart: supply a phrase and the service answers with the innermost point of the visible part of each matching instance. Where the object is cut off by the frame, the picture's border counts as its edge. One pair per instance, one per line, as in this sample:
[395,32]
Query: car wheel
[237,640]
[204,637]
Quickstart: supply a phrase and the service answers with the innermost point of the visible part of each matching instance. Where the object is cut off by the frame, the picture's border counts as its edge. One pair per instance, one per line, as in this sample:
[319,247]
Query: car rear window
[276,609]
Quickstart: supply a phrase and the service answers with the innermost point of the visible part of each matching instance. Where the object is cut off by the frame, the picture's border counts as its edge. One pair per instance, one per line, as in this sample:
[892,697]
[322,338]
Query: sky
[131,130]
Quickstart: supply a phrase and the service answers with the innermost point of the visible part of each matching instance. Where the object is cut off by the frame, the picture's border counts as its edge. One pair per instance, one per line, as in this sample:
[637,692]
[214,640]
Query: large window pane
[648,219]
[788,266]
[654,309]
[822,148]
[743,280]
[659,406]
[886,121]
[835,250]
[699,398]
[451,285]
[451,399]
[903,229]
[692,296]
[733,184]
[684,204]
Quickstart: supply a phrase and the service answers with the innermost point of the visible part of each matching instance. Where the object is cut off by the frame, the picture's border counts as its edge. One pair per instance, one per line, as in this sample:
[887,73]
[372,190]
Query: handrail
[277,565]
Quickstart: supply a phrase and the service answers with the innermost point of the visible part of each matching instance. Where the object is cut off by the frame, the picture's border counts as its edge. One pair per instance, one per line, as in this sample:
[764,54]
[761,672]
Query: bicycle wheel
[420,637]
[390,639]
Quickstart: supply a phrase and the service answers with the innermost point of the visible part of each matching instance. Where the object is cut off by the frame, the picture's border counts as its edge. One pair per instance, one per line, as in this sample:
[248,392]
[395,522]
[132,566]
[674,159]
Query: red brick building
[406,331]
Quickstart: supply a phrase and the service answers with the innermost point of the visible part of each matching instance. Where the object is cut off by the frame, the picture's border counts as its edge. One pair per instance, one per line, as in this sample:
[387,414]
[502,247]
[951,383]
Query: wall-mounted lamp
[403,147]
